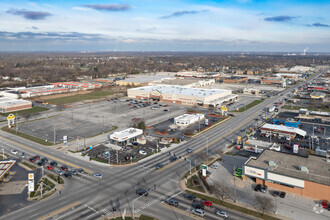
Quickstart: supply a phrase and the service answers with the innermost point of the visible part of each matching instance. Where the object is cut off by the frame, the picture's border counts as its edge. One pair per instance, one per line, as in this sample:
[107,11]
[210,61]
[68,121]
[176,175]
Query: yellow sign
[10,117]
[224,108]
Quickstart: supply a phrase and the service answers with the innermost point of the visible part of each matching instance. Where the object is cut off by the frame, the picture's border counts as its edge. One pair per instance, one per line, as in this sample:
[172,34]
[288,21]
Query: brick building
[302,175]
[11,105]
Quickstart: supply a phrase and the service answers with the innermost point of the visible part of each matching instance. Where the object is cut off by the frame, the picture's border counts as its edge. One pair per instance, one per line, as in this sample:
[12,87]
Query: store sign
[31,182]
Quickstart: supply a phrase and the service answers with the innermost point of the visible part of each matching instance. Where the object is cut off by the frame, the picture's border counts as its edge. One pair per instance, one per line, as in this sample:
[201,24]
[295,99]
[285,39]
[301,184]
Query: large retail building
[303,175]
[182,95]
[11,105]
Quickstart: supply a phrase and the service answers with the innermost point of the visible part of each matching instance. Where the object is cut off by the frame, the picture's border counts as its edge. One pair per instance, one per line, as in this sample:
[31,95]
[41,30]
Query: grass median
[250,105]
[32,110]
[26,136]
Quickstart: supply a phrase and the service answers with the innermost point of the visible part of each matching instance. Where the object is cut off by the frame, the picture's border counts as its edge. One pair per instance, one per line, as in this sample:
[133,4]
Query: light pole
[3,154]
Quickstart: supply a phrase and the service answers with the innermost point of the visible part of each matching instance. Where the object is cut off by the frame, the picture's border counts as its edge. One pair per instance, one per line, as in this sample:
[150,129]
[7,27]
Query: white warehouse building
[187,119]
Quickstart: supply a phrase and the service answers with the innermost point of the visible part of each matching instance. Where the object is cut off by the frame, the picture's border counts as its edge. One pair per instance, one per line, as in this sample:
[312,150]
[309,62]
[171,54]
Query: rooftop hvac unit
[272,163]
[303,169]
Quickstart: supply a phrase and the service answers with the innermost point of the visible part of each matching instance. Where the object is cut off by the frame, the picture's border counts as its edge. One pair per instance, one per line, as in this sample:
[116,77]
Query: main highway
[87,197]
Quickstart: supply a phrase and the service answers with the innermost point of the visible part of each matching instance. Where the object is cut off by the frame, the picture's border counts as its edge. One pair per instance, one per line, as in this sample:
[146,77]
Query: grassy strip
[233,206]
[81,97]
[26,136]
[56,178]
[145,217]
[252,104]
[28,165]
[191,185]
[294,107]
[99,160]
[26,111]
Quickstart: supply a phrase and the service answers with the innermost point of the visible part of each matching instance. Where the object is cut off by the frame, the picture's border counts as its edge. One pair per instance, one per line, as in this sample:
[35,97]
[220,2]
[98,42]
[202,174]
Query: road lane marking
[46,155]
[59,211]
[183,212]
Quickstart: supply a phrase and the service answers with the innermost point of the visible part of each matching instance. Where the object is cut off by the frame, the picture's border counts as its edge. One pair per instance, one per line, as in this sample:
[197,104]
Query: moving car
[73,171]
[37,157]
[197,205]
[207,203]
[222,214]
[257,188]
[59,172]
[189,150]
[172,202]
[32,159]
[53,163]
[263,189]
[141,192]
[142,152]
[44,159]
[80,170]
[49,167]
[159,166]
[67,174]
[98,175]
[14,151]
[63,167]
[189,197]
[22,155]
[198,212]
[173,158]
[40,163]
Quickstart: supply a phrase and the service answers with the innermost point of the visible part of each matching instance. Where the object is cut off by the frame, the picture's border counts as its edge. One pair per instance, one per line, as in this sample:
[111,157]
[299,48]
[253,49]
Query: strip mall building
[306,176]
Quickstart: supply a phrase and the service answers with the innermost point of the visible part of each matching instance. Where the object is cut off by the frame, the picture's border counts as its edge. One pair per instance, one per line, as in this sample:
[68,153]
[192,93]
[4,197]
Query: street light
[3,154]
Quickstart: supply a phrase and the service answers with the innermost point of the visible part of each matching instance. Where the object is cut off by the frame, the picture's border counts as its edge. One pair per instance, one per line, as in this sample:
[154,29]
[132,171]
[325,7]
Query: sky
[165,25]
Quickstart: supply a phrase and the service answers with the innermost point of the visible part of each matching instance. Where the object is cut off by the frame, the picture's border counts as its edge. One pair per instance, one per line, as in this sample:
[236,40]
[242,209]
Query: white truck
[272,109]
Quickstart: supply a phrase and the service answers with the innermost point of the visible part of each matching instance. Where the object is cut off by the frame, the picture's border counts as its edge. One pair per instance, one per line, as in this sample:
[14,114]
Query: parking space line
[46,155]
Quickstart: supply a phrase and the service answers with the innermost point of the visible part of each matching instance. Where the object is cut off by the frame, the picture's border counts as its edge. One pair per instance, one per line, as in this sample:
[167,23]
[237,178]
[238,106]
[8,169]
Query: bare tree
[221,191]
[203,156]
[263,204]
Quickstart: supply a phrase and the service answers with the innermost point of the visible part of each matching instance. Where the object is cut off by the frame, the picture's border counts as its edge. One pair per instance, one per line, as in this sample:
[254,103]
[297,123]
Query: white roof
[126,134]
[5,101]
[285,129]
[179,90]
[5,166]
[188,117]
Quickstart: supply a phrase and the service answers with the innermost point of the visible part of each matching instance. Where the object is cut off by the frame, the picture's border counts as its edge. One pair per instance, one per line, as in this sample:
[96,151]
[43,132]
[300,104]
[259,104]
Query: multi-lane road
[86,197]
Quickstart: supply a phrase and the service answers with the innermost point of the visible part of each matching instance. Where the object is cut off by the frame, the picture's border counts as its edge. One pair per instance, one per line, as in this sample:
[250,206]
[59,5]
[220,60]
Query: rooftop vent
[272,163]
[303,169]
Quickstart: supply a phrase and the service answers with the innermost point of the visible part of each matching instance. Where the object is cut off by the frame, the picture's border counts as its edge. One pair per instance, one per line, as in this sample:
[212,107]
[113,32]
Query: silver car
[59,172]
[198,212]
[222,214]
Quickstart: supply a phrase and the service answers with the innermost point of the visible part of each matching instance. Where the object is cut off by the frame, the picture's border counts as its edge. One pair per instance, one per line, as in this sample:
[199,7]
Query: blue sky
[156,25]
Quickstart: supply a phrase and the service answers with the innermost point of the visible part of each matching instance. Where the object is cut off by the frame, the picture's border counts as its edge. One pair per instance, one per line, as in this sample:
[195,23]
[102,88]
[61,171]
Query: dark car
[37,157]
[276,193]
[263,189]
[197,205]
[73,172]
[141,192]
[189,197]
[44,159]
[53,163]
[172,202]
[173,158]
[40,163]
[63,167]
[67,174]
[282,195]
[159,166]
[257,188]
[32,159]
[80,170]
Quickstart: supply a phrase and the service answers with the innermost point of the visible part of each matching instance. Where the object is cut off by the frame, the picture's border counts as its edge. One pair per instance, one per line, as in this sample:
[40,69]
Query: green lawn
[26,136]
[294,107]
[26,111]
[29,165]
[252,104]
[78,98]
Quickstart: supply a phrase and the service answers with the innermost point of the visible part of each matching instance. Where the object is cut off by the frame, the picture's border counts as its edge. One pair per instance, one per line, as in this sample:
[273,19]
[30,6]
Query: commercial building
[189,83]
[5,167]
[317,95]
[194,74]
[125,137]
[11,105]
[180,95]
[187,119]
[251,91]
[305,176]
[282,131]
[257,146]
[143,80]
[235,79]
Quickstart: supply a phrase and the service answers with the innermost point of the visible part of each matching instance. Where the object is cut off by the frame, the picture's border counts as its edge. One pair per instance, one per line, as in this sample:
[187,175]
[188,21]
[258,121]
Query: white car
[214,166]
[98,175]
[142,152]
[14,151]
[59,172]
[198,212]
[222,214]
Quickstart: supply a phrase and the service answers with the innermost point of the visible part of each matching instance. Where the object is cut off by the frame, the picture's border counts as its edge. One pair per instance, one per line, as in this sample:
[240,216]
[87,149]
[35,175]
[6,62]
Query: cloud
[282,18]
[31,15]
[110,7]
[182,13]
[320,25]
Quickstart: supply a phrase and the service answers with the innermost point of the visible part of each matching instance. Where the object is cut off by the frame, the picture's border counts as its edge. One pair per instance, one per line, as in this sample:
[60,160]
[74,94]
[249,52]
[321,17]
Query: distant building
[125,137]
[317,95]
[235,79]
[305,176]
[251,91]
[143,80]
[189,83]
[188,119]
[11,105]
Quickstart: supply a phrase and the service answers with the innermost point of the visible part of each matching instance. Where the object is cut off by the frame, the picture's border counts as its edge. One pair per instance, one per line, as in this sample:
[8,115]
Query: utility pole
[41,184]
[234,185]
[77,143]
[117,156]
[3,154]
[54,135]
[207,151]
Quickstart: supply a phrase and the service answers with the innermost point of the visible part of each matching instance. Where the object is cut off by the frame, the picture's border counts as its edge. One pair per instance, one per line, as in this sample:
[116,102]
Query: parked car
[207,203]
[22,155]
[159,166]
[63,167]
[189,150]
[324,204]
[189,197]
[257,188]
[222,214]
[141,192]
[98,175]
[67,174]
[172,202]
[53,163]
[214,166]
[32,159]
[14,151]
[263,189]
[198,212]
[142,152]
[282,195]
[49,167]
[276,193]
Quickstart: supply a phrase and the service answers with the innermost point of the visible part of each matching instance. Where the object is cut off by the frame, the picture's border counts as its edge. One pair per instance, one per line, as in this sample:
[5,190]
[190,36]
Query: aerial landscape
[161,110]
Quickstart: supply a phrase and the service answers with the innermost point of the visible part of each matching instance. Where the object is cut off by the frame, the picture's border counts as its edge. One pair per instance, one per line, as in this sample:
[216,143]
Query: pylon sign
[11,120]
[204,169]
[31,182]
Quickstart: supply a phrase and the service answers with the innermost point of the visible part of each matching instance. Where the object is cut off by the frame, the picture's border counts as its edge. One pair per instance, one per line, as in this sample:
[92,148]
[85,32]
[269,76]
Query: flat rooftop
[4,101]
[288,165]
[179,90]
[189,116]
[144,79]
[180,82]
[126,134]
